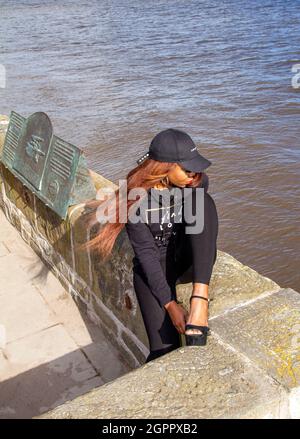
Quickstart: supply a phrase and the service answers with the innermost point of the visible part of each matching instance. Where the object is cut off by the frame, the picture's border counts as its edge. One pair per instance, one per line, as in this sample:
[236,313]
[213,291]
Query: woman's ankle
[198,314]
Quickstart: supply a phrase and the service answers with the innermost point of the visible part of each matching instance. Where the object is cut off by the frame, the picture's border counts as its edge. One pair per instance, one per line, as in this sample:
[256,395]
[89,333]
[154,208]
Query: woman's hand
[178,315]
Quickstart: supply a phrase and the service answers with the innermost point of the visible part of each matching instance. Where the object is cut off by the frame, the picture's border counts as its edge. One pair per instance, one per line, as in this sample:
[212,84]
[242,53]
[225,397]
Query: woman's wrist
[171,303]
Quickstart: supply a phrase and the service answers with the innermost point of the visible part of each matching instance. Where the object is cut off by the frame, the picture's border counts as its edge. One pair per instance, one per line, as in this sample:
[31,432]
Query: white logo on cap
[194,149]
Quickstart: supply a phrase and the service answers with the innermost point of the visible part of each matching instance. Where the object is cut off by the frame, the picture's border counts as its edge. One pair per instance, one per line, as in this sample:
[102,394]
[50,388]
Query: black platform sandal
[197,339]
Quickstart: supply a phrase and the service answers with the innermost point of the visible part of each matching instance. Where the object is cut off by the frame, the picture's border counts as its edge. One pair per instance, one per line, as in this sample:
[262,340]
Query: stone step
[250,368]
[267,331]
[191,382]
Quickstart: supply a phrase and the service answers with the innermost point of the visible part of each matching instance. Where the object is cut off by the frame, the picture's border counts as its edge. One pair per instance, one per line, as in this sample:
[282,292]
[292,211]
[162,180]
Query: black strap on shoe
[200,297]
[204,329]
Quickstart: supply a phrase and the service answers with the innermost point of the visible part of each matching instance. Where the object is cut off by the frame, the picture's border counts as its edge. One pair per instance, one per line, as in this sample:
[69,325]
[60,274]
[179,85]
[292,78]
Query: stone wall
[104,289]
[250,367]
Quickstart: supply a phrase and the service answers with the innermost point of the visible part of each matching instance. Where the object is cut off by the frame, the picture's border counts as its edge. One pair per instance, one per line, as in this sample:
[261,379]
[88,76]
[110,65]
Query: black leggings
[162,335]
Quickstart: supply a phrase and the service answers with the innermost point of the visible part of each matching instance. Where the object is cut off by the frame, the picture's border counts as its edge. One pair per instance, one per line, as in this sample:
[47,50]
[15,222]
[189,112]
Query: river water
[112,74]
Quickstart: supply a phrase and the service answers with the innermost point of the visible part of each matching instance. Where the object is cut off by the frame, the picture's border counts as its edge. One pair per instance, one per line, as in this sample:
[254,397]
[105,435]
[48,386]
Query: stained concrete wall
[250,367]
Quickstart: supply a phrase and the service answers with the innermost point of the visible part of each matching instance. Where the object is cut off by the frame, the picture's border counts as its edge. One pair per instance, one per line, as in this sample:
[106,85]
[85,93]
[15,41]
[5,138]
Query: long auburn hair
[146,175]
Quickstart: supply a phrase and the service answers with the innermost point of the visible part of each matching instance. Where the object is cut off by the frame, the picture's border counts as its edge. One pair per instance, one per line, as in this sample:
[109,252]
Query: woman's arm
[148,255]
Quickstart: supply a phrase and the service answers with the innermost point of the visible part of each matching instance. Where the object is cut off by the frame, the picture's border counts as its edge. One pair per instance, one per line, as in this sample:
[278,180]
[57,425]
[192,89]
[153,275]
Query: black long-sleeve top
[157,243]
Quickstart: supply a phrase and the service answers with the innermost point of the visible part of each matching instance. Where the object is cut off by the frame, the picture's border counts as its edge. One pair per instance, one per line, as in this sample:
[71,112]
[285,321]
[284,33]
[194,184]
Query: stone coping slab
[190,382]
[267,330]
[232,283]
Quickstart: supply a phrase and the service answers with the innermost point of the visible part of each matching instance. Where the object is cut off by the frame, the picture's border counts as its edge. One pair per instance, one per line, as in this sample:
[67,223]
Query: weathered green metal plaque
[33,147]
[16,123]
[53,169]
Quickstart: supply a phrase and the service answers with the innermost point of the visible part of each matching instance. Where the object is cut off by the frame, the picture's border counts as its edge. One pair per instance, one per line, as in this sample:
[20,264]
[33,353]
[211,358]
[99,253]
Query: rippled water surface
[112,74]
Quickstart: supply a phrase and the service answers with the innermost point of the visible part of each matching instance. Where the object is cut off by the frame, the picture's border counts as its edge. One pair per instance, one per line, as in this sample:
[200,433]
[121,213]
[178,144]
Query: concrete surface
[190,382]
[250,368]
[267,330]
[50,352]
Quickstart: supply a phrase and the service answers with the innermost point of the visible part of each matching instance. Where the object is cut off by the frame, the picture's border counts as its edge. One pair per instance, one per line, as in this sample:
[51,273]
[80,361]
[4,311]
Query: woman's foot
[198,315]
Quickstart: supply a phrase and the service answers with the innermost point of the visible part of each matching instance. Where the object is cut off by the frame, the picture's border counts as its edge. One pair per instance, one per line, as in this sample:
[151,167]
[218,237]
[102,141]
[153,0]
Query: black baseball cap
[172,145]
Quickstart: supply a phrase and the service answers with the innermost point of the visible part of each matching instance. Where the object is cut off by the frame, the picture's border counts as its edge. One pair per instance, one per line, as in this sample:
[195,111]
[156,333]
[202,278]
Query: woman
[164,253]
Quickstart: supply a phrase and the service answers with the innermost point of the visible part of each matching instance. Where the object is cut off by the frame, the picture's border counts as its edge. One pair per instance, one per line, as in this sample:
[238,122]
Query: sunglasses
[188,172]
